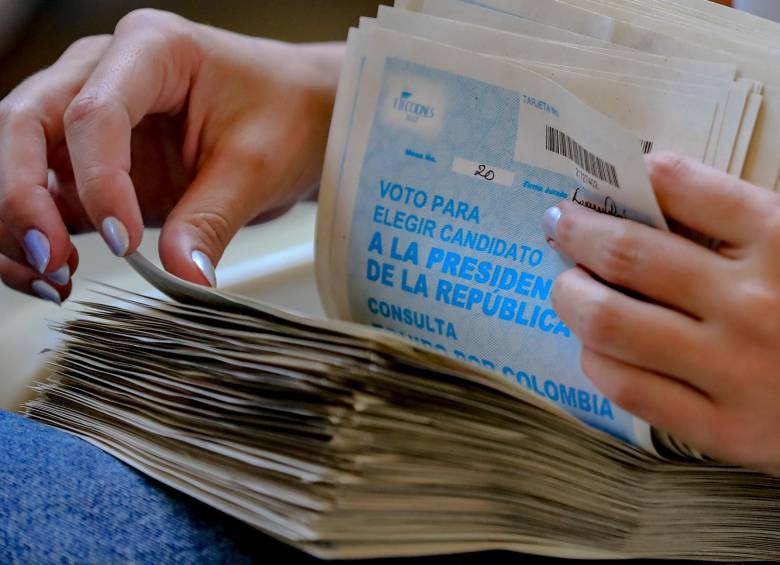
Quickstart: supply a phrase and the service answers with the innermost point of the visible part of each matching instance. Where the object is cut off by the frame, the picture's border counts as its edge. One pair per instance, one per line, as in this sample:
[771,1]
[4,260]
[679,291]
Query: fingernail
[115,234]
[46,291]
[205,266]
[37,249]
[51,180]
[61,276]
[550,222]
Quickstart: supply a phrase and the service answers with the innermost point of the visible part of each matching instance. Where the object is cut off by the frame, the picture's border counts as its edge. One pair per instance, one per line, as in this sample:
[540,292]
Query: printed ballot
[441,407]
[440,208]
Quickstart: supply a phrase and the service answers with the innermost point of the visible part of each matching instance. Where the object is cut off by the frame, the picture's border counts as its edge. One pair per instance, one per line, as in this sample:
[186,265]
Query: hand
[166,122]
[699,356]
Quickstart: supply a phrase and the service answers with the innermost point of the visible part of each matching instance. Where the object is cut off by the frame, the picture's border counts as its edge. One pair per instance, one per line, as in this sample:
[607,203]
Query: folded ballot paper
[441,407]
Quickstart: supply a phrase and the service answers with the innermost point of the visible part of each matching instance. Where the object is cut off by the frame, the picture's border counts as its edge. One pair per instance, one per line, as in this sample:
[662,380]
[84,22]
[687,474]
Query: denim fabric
[64,501]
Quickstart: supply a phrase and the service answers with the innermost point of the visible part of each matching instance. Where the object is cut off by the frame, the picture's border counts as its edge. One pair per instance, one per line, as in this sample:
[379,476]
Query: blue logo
[415,111]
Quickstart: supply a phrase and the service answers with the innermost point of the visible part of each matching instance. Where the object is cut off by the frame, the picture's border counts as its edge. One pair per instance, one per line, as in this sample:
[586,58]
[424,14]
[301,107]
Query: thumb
[222,198]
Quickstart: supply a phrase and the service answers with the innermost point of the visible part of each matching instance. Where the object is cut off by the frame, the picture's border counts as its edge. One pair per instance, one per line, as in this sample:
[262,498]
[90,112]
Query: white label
[483,171]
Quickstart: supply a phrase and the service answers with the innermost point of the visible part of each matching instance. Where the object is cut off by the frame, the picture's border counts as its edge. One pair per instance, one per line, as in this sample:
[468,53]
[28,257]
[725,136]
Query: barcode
[560,143]
[647,146]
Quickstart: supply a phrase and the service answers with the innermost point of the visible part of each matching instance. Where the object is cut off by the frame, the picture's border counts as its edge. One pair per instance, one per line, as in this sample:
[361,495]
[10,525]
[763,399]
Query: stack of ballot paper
[348,442]
[677,74]
[442,407]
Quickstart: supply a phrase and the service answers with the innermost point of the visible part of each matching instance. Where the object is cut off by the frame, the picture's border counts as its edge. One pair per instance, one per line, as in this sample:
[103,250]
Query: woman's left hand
[693,347]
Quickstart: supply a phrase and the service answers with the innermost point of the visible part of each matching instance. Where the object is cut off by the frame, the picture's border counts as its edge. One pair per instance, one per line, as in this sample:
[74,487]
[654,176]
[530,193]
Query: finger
[662,266]
[632,331]
[147,69]
[26,208]
[30,124]
[665,403]
[707,200]
[10,248]
[63,276]
[62,189]
[24,279]
[224,197]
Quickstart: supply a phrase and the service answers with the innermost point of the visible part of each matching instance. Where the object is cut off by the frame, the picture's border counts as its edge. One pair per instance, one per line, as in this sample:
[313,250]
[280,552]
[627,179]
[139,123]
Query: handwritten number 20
[484,172]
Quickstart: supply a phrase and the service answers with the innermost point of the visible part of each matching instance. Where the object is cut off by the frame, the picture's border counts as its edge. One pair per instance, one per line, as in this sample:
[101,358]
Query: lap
[64,500]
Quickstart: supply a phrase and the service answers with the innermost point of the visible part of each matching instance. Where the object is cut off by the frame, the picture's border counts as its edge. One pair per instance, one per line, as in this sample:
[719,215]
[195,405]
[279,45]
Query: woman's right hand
[165,122]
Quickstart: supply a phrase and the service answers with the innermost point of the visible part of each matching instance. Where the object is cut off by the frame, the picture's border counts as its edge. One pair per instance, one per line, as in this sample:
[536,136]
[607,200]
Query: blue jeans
[63,500]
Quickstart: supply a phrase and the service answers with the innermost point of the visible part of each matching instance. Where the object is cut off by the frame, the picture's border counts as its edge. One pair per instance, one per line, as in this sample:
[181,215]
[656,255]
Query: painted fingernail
[38,250]
[115,234]
[61,276]
[550,222]
[205,266]
[46,291]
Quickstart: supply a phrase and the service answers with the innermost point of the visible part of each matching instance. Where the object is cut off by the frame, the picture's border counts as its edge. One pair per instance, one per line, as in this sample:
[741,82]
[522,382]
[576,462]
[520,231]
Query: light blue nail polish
[46,292]
[550,222]
[205,266]
[115,234]
[38,250]
[61,276]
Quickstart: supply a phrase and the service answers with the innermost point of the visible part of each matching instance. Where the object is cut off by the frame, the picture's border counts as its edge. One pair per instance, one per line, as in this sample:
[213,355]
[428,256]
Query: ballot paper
[650,29]
[441,407]
[666,102]
[451,161]
[664,119]
[348,442]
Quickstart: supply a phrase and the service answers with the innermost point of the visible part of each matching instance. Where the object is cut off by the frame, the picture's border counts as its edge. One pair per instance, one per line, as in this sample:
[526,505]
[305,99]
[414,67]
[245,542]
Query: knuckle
[84,109]
[160,30]
[758,299]
[96,182]
[87,45]
[250,153]
[619,255]
[621,391]
[626,394]
[143,19]
[12,114]
[758,308]
[597,320]
[214,229]
[160,36]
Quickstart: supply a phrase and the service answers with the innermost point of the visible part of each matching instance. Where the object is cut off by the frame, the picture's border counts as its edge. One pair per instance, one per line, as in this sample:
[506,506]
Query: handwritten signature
[609,207]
